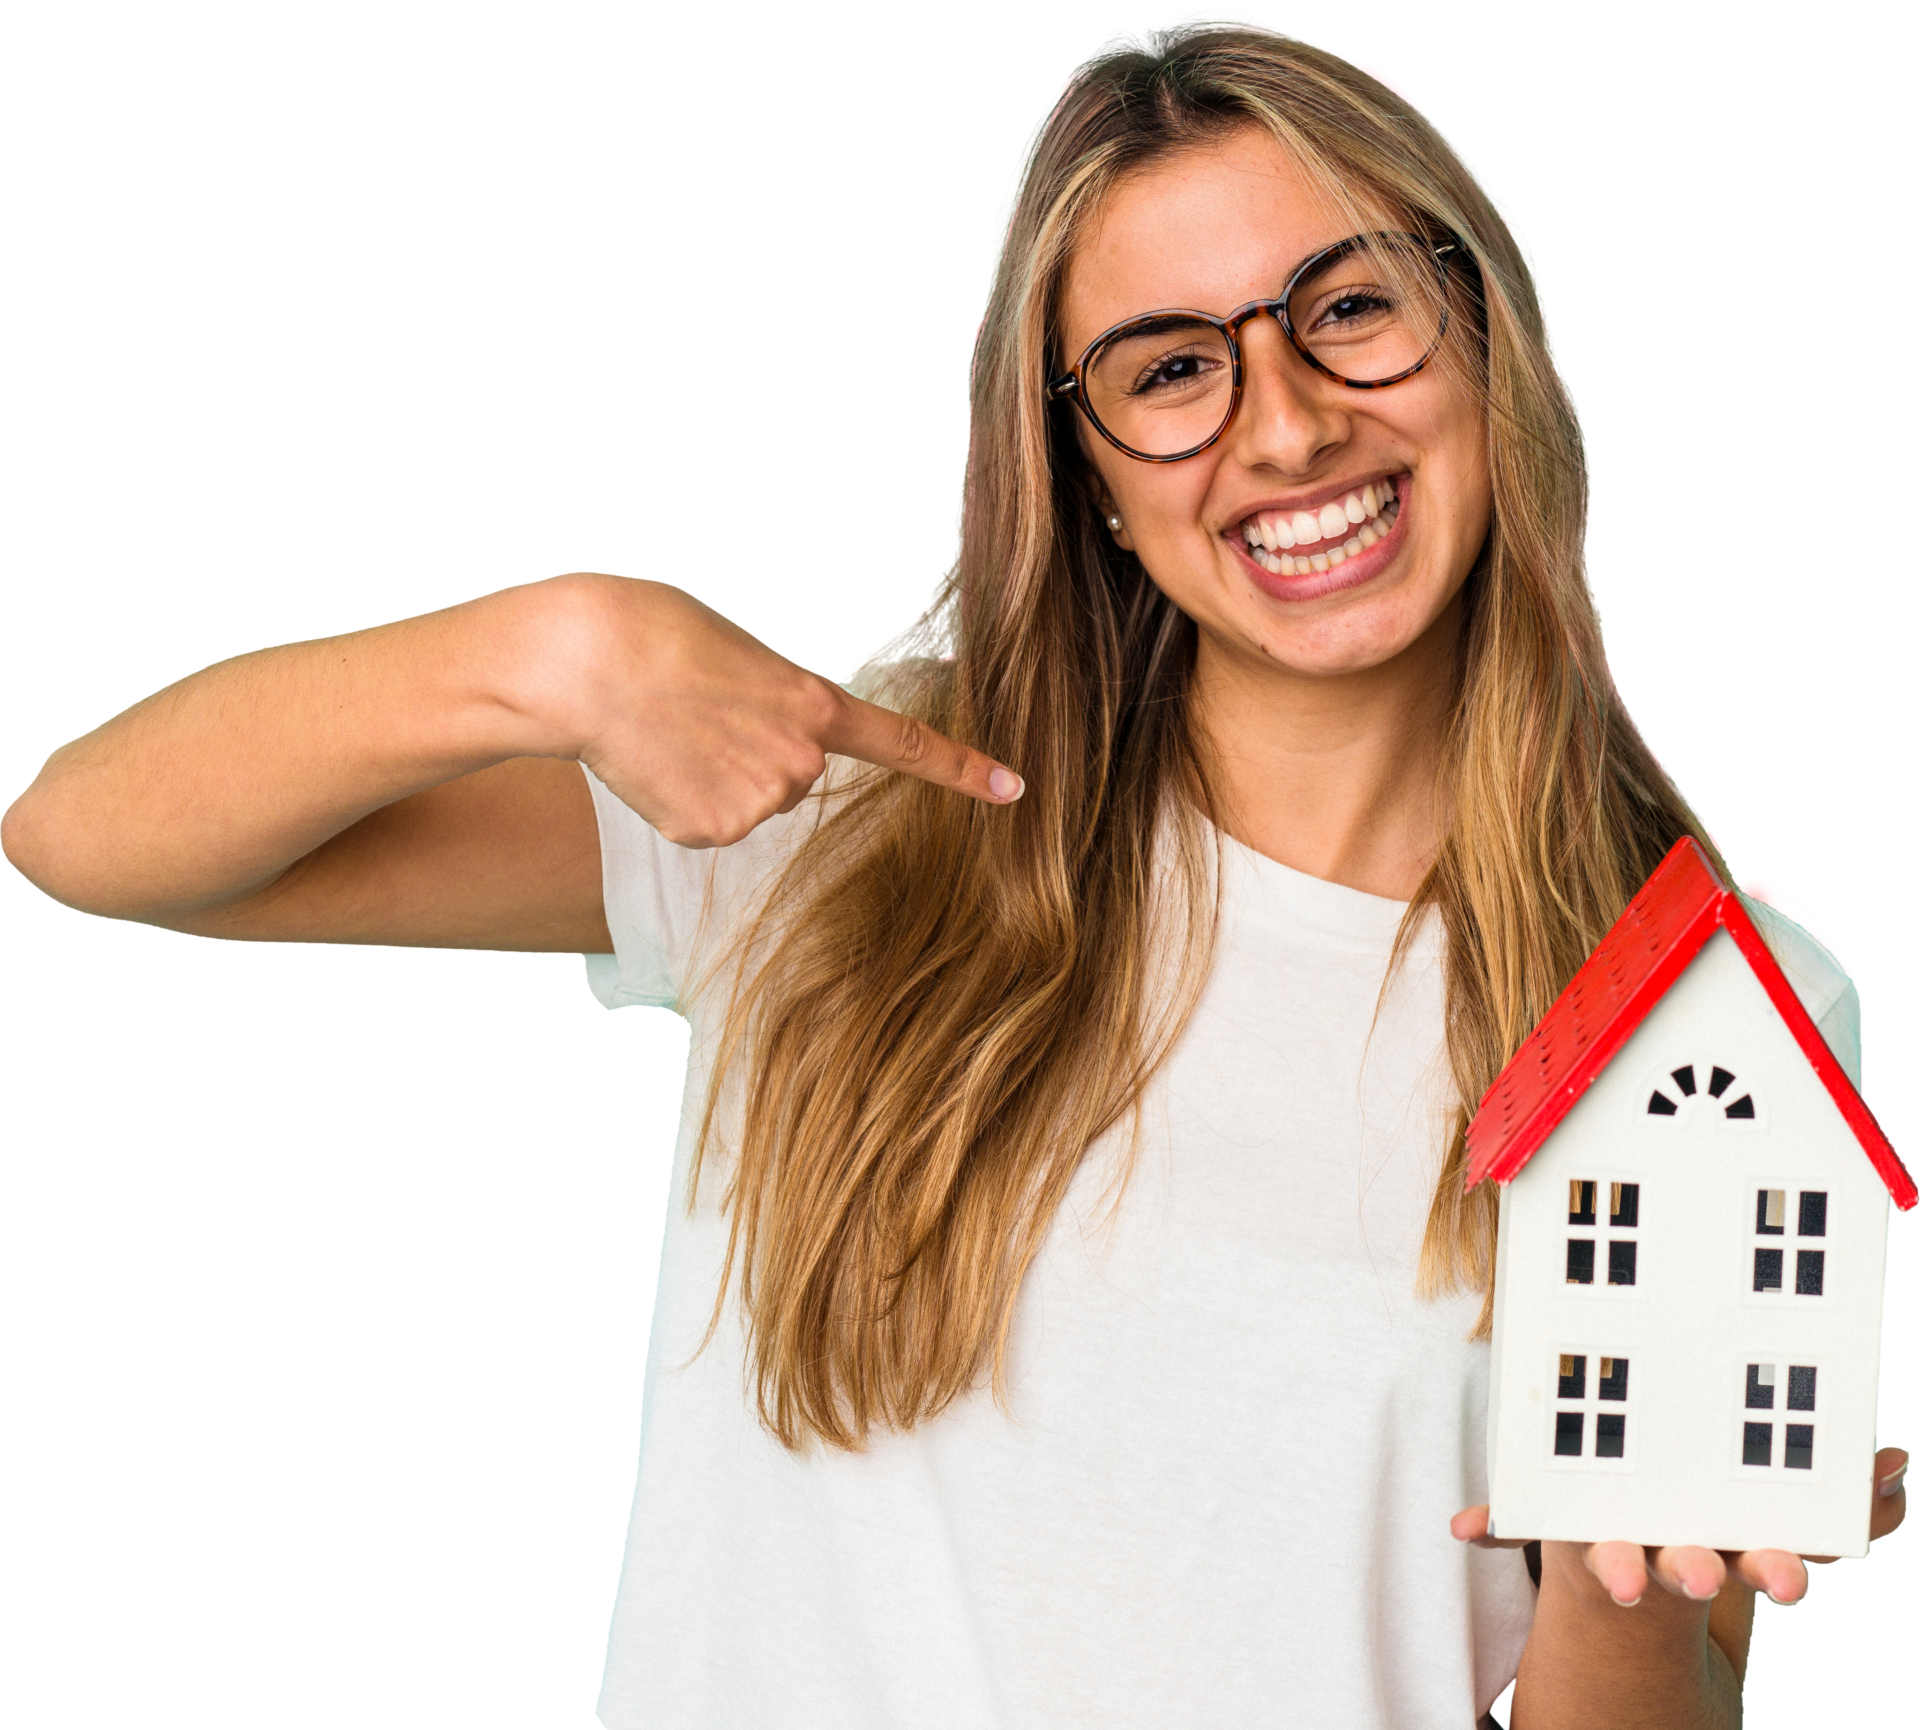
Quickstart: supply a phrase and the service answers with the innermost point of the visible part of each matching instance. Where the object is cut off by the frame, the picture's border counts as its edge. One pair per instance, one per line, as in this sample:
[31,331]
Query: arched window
[1723,1092]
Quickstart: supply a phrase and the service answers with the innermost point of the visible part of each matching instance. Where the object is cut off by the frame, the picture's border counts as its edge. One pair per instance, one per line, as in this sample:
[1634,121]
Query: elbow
[45,857]
[23,841]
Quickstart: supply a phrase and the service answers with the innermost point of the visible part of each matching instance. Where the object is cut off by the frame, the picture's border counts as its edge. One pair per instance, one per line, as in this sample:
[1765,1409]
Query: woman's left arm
[1647,1639]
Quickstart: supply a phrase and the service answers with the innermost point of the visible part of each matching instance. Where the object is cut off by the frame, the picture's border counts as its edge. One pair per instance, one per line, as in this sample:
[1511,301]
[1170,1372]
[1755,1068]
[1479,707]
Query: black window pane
[1758,1449]
[1660,1105]
[1683,1077]
[1613,1386]
[1573,1376]
[1580,1202]
[1799,1453]
[1800,1380]
[1813,1213]
[1609,1435]
[1625,1205]
[1719,1081]
[1621,1260]
[1810,1272]
[1580,1260]
[1741,1107]
[1759,1387]
[1770,1213]
[1766,1269]
[1566,1432]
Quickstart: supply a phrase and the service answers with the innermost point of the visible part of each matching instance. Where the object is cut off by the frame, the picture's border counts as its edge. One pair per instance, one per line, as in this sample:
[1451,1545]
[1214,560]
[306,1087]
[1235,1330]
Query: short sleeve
[671,908]
[654,893]
[1819,981]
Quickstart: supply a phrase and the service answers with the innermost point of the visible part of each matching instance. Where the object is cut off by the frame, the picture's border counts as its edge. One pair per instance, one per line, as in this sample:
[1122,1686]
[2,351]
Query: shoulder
[1818,980]
[671,907]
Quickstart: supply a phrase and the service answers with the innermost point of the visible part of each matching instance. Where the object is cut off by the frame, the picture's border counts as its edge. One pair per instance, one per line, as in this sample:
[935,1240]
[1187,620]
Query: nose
[1290,416]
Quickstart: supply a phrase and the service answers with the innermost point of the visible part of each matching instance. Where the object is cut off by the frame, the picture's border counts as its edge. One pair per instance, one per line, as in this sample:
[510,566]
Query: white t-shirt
[1236,1436]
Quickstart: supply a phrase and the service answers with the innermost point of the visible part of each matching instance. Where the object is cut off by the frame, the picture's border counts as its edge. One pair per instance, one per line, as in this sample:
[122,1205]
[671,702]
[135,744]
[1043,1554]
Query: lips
[1289,567]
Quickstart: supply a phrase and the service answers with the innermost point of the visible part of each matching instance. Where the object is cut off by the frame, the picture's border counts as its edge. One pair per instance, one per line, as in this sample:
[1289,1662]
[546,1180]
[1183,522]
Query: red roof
[1651,944]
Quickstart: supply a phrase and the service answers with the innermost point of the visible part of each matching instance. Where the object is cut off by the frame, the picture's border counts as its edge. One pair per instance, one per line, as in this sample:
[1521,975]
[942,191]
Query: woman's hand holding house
[1600,1643]
[1689,1571]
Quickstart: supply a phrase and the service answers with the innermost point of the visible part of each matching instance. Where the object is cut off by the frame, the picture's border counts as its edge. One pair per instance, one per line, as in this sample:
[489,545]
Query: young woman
[1073,1314]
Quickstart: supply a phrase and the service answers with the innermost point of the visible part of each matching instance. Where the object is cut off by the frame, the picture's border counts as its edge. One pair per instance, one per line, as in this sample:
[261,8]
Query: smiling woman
[1071,1313]
[1270,582]
[1427,720]
[1299,453]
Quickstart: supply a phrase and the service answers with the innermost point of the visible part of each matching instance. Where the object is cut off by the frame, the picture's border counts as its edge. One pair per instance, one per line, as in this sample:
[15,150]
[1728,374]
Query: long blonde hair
[941,1006]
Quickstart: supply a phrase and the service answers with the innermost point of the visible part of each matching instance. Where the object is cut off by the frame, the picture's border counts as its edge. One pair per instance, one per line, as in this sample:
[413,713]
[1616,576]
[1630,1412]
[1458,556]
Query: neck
[1335,775]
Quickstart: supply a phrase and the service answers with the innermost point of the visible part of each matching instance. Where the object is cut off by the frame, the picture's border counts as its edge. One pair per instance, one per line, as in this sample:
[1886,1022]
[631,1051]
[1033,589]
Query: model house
[1693,1216]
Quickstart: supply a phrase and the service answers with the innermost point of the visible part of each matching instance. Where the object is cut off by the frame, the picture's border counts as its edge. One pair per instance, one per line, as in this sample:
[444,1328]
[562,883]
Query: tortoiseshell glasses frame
[1071,385]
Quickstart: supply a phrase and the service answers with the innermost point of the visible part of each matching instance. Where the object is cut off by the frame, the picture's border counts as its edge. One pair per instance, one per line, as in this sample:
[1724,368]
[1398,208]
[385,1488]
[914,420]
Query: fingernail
[1625,1603]
[1792,1602]
[1890,1484]
[1700,1597]
[1005,784]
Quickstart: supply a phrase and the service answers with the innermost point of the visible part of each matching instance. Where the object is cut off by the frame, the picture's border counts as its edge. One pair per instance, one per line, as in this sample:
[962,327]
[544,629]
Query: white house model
[1693,1215]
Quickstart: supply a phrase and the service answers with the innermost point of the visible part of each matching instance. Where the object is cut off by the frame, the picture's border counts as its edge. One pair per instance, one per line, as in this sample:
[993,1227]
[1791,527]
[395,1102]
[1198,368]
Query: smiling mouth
[1300,543]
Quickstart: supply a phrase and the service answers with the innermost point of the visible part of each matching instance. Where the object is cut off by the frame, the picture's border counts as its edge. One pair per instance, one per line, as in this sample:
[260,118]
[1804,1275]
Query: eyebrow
[1170,319]
[1159,323]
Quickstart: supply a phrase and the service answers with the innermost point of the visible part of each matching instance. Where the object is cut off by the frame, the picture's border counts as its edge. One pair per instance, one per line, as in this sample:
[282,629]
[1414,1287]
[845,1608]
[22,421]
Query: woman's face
[1212,230]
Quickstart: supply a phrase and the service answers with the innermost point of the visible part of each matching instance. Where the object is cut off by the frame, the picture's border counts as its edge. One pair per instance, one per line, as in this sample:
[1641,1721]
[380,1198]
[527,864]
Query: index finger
[893,741]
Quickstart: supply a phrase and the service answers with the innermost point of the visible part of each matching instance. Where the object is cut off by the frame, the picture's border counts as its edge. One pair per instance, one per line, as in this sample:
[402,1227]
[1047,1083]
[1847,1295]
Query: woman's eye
[1171,370]
[1349,308]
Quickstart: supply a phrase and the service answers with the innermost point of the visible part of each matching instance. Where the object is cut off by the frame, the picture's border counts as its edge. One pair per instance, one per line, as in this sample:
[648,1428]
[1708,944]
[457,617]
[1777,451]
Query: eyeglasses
[1366,312]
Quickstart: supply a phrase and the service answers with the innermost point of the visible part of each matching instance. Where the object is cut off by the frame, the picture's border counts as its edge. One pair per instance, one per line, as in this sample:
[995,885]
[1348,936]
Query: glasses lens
[1373,311]
[1162,385]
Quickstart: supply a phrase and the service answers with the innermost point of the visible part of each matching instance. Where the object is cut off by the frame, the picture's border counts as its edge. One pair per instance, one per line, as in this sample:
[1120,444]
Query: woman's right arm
[416,783]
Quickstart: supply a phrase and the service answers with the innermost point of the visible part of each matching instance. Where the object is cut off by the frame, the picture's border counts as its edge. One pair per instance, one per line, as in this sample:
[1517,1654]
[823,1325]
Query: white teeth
[1273,530]
[1360,520]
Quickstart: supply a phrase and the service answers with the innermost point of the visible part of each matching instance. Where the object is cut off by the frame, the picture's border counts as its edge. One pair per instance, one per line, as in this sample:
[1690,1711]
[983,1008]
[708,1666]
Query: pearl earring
[1114,524]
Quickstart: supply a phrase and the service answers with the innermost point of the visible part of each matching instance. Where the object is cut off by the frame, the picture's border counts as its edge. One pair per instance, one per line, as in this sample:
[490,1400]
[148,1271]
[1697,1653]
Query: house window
[1764,1442]
[1722,1096]
[1806,1261]
[1615,1245]
[1590,1409]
